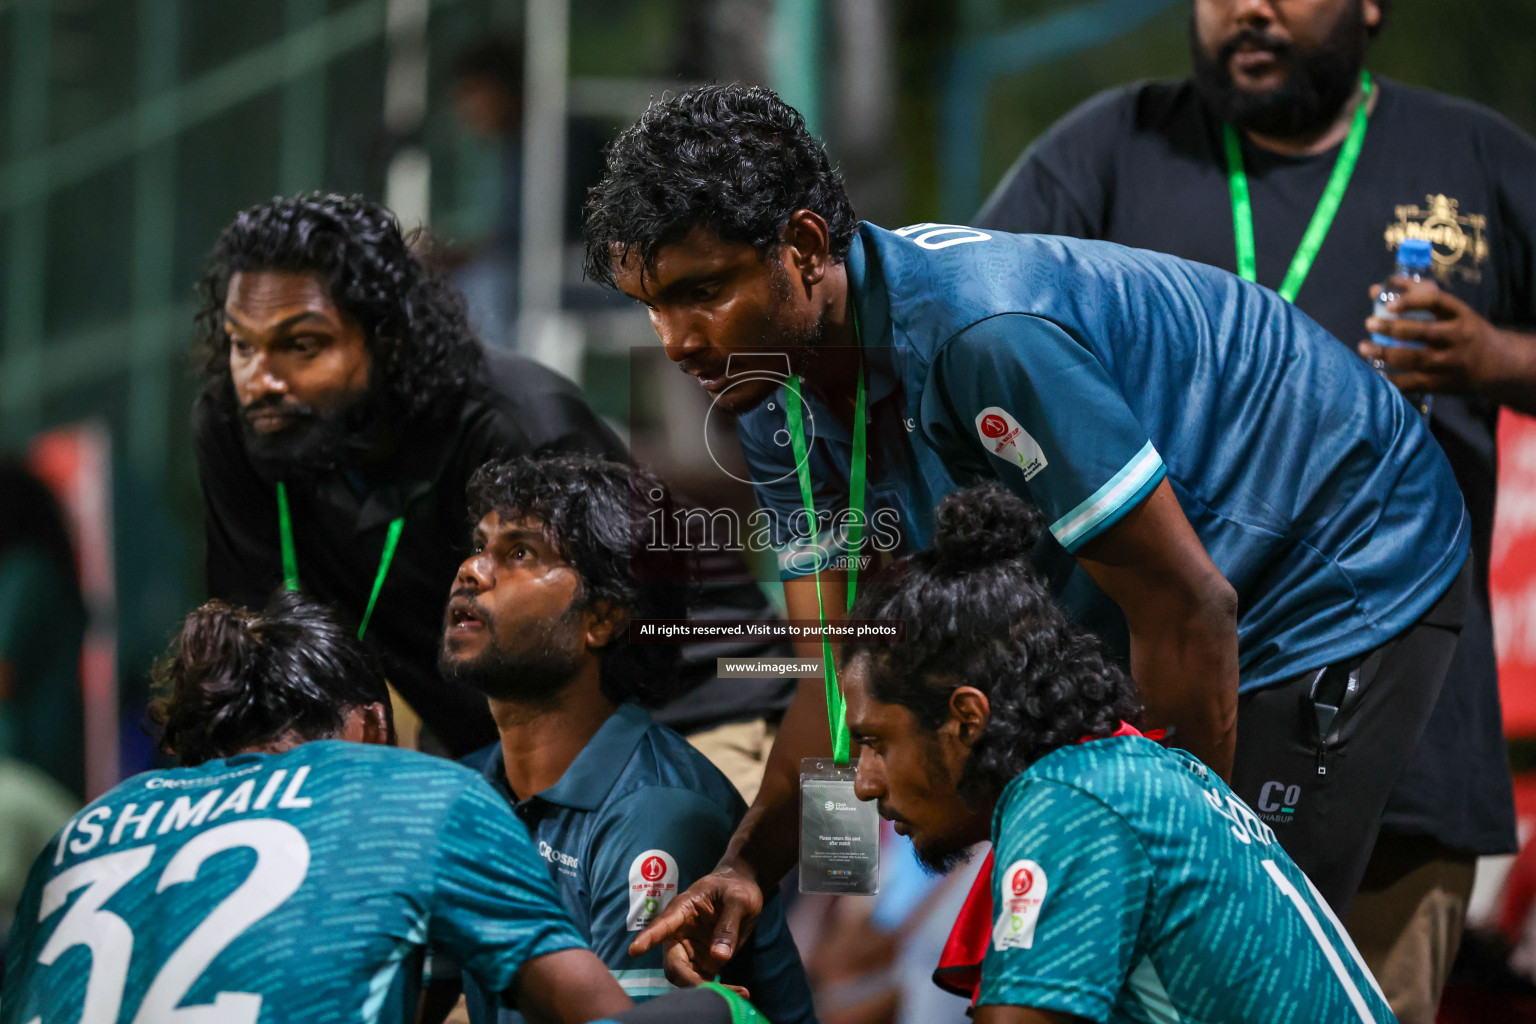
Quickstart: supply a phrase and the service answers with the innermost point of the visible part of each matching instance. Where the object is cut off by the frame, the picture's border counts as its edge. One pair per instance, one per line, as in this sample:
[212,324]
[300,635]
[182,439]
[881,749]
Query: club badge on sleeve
[1023,889]
[1003,436]
[652,883]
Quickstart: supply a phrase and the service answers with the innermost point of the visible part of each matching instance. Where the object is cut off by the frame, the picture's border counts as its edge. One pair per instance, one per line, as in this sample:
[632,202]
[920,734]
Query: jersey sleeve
[1068,891]
[1060,183]
[648,848]
[800,547]
[494,907]
[1052,424]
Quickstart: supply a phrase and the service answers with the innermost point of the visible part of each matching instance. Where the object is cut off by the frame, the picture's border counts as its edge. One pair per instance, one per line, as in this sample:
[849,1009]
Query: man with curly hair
[1132,884]
[347,403]
[622,809]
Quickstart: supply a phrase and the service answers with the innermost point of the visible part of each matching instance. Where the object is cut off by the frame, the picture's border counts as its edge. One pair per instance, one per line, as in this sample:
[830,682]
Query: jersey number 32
[282,860]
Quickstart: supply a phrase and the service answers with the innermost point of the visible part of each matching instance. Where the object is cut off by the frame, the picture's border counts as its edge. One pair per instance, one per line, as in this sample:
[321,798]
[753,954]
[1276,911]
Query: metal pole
[301,152]
[542,331]
[154,233]
[408,181]
[20,400]
[794,57]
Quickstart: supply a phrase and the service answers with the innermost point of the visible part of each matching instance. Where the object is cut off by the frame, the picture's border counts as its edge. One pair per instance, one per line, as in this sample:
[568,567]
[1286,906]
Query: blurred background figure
[488,101]
[42,628]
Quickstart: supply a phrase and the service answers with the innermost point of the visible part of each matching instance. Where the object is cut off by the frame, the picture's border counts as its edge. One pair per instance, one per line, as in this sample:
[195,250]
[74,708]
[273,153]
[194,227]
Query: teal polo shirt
[637,818]
[1082,374]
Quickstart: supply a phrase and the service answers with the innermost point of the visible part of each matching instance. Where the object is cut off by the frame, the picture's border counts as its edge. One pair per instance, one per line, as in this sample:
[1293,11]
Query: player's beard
[316,442]
[939,855]
[535,675]
[1317,84]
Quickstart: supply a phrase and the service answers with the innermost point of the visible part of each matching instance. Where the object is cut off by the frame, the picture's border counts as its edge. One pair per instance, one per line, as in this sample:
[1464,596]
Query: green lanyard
[291,559]
[837,707]
[1322,217]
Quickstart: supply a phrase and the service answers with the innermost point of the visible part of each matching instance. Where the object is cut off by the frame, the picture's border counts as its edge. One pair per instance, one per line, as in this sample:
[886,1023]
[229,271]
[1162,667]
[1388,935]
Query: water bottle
[1413,262]
[1414,258]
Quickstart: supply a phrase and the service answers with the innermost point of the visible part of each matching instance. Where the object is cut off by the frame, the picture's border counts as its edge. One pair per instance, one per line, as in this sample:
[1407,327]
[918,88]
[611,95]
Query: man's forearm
[1186,671]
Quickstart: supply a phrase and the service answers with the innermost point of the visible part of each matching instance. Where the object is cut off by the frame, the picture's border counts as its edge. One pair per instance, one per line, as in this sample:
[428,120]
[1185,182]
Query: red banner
[1513,577]
[75,461]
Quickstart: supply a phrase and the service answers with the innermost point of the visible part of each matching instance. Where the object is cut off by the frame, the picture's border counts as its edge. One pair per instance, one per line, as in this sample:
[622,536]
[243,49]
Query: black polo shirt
[1143,165]
[339,523]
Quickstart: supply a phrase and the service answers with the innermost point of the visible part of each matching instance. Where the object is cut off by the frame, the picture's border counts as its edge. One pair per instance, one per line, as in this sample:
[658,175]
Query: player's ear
[368,723]
[601,620]
[970,710]
[1370,14]
[809,246]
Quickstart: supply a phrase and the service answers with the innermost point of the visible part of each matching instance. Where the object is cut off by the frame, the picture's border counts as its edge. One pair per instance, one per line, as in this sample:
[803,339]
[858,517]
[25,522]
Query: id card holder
[839,833]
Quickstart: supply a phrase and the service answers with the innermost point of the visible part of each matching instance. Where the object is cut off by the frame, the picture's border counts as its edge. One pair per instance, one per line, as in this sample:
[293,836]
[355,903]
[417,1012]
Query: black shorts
[1318,754]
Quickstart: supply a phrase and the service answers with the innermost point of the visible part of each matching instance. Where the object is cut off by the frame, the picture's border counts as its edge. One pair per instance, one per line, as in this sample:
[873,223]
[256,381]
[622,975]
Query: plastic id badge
[839,833]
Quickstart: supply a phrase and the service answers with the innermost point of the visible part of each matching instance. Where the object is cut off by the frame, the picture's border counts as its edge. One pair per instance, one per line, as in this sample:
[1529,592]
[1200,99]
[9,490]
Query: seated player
[624,812]
[277,879]
[1131,884]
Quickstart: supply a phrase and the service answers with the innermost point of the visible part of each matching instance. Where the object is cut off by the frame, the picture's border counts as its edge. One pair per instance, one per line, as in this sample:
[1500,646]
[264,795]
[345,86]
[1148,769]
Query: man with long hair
[346,404]
[1131,883]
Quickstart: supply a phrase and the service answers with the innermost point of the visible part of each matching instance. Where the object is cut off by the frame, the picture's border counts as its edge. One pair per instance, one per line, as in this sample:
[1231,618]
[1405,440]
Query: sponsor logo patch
[1024,888]
[1278,801]
[652,883]
[1002,435]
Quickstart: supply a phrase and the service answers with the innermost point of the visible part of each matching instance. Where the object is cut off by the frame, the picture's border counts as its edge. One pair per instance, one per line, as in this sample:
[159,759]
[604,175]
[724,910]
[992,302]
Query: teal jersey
[292,887]
[1131,885]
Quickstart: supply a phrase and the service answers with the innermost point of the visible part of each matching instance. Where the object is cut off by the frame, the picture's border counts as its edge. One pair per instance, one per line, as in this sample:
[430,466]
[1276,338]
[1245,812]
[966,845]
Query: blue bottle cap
[1414,252]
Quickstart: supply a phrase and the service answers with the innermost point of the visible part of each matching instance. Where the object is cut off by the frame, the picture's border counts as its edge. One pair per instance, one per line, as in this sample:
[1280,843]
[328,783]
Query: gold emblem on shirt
[1459,244]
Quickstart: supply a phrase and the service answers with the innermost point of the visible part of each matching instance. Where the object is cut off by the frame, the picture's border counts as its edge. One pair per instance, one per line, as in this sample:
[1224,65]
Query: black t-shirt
[518,408]
[1144,166]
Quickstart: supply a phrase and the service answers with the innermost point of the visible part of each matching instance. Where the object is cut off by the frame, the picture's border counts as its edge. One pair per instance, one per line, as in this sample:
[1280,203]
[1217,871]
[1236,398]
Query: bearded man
[1283,160]
[347,404]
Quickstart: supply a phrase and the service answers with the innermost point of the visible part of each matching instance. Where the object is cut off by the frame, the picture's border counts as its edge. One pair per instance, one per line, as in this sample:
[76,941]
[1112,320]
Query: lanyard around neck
[291,558]
[837,706]
[1322,217]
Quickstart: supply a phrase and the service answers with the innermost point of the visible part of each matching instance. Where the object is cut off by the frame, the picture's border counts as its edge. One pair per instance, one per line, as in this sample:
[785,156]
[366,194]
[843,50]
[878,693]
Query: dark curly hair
[978,615]
[418,333]
[236,679]
[734,158]
[598,515]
